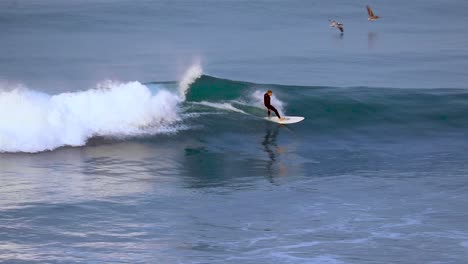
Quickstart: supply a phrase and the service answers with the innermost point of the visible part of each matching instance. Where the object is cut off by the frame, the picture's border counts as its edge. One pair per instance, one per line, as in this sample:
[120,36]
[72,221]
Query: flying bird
[371,14]
[337,25]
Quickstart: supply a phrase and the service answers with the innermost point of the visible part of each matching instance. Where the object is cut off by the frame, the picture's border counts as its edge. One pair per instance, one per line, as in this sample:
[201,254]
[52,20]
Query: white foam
[32,121]
[190,76]
[222,106]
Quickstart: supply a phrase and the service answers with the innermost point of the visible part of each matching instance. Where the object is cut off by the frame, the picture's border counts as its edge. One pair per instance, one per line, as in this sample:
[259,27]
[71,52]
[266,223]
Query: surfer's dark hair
[269,91]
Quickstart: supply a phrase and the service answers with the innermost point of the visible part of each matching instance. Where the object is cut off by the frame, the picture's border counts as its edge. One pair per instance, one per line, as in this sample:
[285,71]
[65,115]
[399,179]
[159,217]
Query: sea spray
[257,99]
[189,77]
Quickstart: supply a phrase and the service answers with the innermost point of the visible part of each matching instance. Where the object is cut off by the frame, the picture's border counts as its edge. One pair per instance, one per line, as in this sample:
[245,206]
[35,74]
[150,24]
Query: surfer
[266,101]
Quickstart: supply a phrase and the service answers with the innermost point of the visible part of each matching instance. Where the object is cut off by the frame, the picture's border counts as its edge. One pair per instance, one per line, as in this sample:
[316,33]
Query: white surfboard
[286,120]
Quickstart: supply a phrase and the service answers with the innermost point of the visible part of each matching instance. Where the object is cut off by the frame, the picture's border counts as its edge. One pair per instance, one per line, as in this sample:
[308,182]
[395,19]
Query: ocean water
[132,132]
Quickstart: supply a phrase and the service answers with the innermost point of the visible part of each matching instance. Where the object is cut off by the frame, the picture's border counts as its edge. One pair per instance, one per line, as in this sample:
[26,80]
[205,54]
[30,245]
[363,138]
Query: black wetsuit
[266,101]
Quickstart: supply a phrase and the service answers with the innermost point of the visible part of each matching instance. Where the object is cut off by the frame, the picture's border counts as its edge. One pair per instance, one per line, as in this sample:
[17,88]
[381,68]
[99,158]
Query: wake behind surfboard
[286,120]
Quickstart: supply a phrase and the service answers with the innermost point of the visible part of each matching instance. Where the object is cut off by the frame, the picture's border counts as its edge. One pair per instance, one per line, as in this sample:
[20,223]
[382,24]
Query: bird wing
[340,28]
[369,11]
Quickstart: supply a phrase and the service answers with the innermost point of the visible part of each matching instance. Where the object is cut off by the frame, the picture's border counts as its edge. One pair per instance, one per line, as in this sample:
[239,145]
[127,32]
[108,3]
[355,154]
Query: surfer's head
[269,92]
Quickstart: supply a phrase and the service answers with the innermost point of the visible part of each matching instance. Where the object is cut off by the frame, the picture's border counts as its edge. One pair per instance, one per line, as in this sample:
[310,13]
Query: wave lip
[190,76]
[32,121]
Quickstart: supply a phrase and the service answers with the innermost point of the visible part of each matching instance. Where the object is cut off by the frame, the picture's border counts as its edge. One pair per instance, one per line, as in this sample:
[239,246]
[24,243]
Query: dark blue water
[132,132]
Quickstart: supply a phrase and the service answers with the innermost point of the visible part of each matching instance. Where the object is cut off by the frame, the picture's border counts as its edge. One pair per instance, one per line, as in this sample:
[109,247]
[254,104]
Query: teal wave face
[208,88]
[346,107]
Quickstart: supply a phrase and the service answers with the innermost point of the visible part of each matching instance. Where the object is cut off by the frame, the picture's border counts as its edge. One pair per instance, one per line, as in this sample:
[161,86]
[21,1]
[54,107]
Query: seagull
[371,14]
[337,25]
